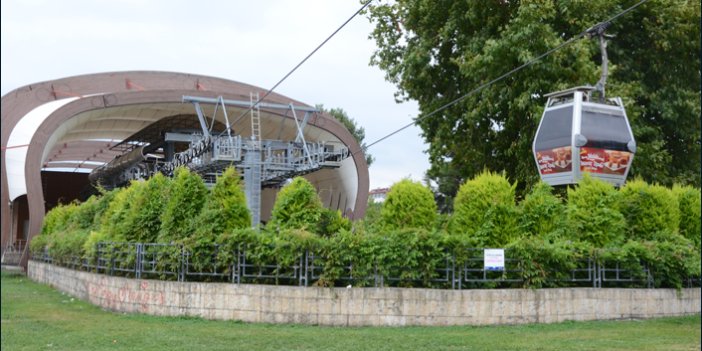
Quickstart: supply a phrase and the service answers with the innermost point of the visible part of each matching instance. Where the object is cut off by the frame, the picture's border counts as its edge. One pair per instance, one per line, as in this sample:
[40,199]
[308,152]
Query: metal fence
[176,262]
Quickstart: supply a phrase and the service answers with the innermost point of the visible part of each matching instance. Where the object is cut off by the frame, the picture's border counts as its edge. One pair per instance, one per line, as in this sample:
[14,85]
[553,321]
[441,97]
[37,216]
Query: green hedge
[689,199]
[640,225]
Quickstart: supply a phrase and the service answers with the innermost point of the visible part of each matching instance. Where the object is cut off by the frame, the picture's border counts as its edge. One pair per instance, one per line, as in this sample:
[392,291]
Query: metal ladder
[252,160]
[255,120]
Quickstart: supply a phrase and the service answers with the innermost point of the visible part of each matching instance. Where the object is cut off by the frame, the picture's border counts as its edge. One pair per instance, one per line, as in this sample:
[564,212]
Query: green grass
[36,317]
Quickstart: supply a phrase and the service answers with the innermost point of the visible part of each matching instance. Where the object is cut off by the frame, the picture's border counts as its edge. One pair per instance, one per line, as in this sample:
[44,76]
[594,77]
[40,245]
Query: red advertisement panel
[603,161]
[555,160]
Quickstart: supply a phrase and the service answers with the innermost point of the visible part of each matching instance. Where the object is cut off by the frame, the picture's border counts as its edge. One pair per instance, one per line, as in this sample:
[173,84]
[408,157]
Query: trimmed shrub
[592,213]
[113,221]
[66,245]
[149,202]
[408,204]
[225,209]
[651,211]
[297,206]
[186,197]
[90,246]
[689,202]
[484,209]
[38,243]
[65,231]
[58,218]
[542,213]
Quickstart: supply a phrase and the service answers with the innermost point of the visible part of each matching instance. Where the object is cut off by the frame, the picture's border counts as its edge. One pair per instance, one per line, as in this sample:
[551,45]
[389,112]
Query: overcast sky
[255,42]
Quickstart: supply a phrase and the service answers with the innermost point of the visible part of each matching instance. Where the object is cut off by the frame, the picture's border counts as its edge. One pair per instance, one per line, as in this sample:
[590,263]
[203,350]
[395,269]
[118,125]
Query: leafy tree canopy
[358,132]
[436,51]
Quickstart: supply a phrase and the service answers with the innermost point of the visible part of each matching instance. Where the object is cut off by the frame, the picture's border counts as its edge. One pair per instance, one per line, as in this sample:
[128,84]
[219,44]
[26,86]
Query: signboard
[604,161]
[494,259]
[554,160]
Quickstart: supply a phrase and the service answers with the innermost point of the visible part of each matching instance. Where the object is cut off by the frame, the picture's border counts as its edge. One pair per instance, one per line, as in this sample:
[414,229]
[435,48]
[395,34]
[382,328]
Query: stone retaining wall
[364,306]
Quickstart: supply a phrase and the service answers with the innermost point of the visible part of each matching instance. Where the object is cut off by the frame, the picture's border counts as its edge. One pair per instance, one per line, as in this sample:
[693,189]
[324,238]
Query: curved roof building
[56,133]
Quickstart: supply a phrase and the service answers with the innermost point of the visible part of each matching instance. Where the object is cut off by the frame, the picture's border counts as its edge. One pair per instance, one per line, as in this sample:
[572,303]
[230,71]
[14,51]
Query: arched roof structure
[75,124]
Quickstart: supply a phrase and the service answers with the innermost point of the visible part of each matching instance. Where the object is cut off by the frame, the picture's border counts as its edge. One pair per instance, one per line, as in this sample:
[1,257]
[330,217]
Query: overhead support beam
[178,137]
[247,104]
[201,118]
[301,136]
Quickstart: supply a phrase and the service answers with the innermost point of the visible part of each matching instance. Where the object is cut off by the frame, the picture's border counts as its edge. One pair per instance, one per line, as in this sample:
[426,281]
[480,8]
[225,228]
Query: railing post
[649,277]
[183,263]
[236,277]
[138,263]
[112,260]
[453,272]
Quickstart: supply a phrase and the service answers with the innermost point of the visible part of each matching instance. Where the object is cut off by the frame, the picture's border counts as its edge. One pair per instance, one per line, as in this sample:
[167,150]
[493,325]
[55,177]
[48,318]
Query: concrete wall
[364,306]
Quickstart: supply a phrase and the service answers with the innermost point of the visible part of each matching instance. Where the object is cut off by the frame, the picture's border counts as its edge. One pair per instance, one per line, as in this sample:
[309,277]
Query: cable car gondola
[583,132]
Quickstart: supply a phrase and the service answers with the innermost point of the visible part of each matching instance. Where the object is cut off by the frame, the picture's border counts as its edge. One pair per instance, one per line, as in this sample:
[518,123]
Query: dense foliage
[542,213]
[690,199]
[593,213]
[225,209]
[438,51]
[186,198]
[408,204]
[648,230]
[485,210]
[297,206]
[651,211]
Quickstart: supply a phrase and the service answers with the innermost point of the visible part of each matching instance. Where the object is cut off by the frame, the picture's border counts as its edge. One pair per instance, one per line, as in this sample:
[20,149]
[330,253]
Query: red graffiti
[109,296]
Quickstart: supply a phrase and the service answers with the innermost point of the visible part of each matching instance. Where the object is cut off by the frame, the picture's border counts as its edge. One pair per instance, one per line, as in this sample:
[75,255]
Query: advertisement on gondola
[604,161]
[555,160]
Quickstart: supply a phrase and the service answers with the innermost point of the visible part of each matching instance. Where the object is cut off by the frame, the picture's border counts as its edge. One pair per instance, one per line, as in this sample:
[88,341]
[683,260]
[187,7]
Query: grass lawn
[36,317]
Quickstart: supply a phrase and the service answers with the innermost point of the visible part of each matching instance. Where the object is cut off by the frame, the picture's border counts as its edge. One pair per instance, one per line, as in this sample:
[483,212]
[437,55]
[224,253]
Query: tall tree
[357,131]
[438,50]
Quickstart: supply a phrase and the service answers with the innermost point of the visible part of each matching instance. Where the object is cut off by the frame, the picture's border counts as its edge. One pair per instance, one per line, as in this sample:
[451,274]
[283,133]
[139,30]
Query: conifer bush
[225,209]
[690,208]
[542,213]
[56,220]
[484,209]
[149,201]
[593,214]
[186,197]
[651,211]
[408,204]
[113,223]
[297,206]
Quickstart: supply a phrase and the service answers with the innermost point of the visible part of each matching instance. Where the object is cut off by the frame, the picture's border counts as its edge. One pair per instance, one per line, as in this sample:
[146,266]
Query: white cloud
[251,42]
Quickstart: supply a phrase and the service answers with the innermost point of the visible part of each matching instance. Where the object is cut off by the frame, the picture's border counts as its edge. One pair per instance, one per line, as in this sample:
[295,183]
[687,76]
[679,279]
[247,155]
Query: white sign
[494,259]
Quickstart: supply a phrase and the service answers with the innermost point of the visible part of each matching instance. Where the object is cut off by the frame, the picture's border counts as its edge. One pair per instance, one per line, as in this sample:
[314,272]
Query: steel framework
[262,162]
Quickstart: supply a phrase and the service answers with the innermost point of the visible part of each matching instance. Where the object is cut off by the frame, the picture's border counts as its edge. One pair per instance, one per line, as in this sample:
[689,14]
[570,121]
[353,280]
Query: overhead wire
[301,62]
[503,76]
